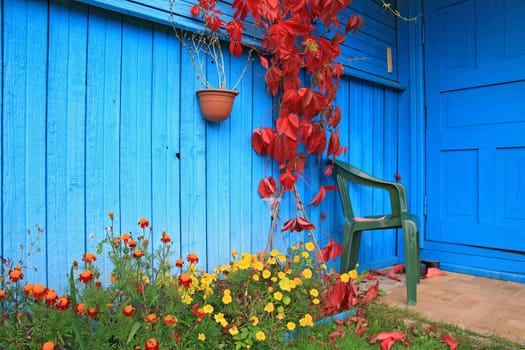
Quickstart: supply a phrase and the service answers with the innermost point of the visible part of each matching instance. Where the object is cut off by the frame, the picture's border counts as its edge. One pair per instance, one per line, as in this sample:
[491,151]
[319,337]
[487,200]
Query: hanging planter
[216,104]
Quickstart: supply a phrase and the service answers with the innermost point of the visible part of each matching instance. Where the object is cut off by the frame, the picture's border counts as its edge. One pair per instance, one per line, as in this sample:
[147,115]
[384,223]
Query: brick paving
[483,305]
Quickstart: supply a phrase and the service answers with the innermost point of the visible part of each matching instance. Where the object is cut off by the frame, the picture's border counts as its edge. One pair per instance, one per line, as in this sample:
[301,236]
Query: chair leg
[411,260]
[350,253]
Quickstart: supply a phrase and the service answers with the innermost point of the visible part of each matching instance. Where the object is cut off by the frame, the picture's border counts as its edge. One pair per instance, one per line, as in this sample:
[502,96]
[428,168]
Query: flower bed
[152,300]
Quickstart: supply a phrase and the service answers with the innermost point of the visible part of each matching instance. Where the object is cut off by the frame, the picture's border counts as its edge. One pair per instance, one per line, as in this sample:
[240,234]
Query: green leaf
[133,331]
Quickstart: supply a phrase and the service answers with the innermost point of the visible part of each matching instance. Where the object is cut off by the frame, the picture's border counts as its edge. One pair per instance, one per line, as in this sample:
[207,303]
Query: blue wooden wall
[99,114]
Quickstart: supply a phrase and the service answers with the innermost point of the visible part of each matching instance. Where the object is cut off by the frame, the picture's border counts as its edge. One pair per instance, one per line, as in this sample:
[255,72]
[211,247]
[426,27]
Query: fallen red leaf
[450,342]
[387,339]
[434,272]
[331,251]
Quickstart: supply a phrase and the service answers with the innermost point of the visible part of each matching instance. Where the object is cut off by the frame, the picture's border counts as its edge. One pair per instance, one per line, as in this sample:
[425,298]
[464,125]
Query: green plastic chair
[345,173]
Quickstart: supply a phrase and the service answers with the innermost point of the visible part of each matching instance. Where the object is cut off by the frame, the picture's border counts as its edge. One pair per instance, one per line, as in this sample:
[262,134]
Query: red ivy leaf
[264,62]
[370,294]
[195,10]
[388,339]
[304,224]
[297,224]
[318,197]
[267,187]
[287,179]
[328,170]
[331,251]
[323,216]
[452,344]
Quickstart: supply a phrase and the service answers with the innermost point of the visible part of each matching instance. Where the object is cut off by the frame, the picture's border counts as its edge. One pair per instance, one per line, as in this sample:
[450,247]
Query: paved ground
[483,305]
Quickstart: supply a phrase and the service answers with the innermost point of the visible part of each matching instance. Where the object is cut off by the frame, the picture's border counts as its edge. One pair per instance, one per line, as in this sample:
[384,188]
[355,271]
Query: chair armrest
[396,190]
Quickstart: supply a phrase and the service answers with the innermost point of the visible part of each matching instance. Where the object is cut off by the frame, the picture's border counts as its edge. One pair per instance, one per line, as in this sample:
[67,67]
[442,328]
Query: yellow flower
[314,292]
[201,336]
[255,277]
[266,274]
[272,261]
[282,258]
[309,246]
[254,320]
[207,308]
[281,316]
[278,296]
[286,284]
[345,278]
[260,336]
[186,299]
[306,321]
[294,247]
[269,307]
[307,273]
[219,318]
[316,301]
[234,254]
[273,279]
[258,265]
[281,275]
[275,252]
[233,330]
[227,297]
[305,255]
[290,326]
[353,274]
[296,259]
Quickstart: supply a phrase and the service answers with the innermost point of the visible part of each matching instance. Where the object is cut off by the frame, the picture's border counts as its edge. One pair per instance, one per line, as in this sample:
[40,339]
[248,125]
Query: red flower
[199,312]
[63,303]
[179,262]
[138,254]
[143,222]
[16,274]
[28,289]
[165,238]
[80,309]
[152,344]
[192,258]
[169,320]
[128,310]
[132,243]
[85,276]
[195,10]
[89,258]
[51,297]
[49,345]
[151,318]
[125,237]
[92,312]
[2,294]
[39,291]
[185,280]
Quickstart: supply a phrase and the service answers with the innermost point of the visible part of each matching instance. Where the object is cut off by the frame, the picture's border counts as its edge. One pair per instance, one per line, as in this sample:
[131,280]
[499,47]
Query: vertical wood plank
[23,141]
[193,167]
[102,128]
[135,124]
[165,121]
[66,129]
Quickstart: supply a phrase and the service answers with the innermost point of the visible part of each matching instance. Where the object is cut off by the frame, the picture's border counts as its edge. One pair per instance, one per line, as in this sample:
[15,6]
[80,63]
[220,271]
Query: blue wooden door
[475,93]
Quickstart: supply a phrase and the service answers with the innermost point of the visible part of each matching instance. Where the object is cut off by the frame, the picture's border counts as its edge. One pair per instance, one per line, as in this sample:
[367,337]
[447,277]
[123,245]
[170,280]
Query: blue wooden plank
[102,129]
[193,166]
[165,135]
[66,129]
[24,132]
[135,136]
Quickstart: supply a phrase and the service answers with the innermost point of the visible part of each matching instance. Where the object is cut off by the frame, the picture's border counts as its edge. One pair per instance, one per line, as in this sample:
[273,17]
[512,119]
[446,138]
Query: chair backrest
[344,172]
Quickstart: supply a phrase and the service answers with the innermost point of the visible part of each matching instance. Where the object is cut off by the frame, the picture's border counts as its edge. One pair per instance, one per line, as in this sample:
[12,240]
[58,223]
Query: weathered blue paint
[100,114]
[475,147]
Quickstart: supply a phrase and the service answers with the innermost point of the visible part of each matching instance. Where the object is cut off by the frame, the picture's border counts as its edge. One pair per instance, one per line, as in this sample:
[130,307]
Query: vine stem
[275,212]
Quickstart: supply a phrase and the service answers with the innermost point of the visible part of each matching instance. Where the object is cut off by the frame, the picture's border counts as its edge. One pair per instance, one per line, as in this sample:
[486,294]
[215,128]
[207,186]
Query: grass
[422,333]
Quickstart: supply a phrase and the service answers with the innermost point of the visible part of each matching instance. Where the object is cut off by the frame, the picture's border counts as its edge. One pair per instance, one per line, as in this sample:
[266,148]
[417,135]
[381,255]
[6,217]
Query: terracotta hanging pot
[216,104]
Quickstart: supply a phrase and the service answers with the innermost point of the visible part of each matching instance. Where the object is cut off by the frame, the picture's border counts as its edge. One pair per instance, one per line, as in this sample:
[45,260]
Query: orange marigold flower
[169,320]
[98,283]
[185,280]
[49,345]
[85,276]
[138,253]
[192,258]
[2,294]
[152,344]
[125,237]
[16,275]
[80,309]
[128,310]
[92,312]
[51,296]
[151,318]
[165,237]
[39,291]
[111,215]
[143,222]
[89,257]
[63,303]
[112,278]
[28,289]
[179,262]
[132,243]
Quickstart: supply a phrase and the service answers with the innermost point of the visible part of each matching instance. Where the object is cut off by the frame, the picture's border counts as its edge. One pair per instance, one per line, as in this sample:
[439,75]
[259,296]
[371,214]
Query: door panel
[475,93]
